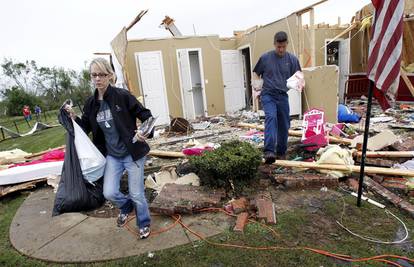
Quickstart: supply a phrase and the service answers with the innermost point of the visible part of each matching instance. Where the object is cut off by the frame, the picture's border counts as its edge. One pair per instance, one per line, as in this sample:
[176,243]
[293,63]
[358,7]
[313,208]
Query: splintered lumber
[18,187]
[387,154]
[347,168]
[407,81]
[166,154]
[44,152]
[332,139]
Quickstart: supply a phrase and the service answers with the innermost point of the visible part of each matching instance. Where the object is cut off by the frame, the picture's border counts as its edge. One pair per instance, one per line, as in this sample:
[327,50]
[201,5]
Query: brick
[377,162]
[307,180]
[265,209]
[404,145]
[185,199]
[239,205]
[353,183]
[378,178]
[241,221]
[389,196]
[395,187]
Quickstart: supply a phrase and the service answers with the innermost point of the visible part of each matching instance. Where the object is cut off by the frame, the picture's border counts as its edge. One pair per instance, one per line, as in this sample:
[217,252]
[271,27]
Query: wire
[347,258]
[370,239]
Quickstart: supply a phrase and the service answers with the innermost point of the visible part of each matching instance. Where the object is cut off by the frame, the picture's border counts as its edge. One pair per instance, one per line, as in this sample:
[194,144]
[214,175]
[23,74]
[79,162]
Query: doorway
[190,69]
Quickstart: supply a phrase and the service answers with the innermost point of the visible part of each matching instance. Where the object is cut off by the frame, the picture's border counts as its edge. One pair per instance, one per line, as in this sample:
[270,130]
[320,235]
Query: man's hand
[257,82]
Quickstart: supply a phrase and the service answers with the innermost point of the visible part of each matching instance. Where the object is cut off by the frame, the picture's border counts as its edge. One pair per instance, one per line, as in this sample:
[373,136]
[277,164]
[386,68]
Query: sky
[66,33]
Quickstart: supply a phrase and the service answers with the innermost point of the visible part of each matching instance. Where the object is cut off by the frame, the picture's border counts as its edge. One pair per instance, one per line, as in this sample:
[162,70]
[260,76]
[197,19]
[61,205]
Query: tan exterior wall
[261,40]
[228,44]
[210,50]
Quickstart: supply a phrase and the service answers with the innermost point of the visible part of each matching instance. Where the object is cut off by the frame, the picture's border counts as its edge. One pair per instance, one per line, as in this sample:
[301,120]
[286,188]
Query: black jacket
[125,108]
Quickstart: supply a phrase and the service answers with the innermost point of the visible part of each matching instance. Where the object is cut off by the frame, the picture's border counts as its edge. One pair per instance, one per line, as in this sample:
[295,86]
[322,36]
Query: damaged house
[195,76]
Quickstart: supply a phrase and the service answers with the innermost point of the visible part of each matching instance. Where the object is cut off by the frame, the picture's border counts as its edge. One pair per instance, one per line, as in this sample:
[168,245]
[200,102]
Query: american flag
[384,57]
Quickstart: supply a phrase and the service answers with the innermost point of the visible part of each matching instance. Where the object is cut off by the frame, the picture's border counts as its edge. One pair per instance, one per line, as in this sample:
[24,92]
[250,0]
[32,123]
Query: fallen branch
[346,168]
[332,139]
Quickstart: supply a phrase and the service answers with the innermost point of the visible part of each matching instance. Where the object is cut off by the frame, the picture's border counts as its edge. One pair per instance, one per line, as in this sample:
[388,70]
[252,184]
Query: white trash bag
[296,82]
[91,160]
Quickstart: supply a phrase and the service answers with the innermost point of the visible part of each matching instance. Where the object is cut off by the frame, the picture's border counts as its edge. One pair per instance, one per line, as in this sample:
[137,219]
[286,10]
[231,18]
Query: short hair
[104,66]
[280,37]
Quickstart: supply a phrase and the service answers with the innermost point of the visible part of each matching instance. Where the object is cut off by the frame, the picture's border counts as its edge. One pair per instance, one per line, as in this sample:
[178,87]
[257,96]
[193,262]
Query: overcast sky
[67,32]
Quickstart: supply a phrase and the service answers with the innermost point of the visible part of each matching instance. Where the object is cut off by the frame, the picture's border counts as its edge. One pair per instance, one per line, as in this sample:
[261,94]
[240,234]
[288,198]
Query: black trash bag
[75,193]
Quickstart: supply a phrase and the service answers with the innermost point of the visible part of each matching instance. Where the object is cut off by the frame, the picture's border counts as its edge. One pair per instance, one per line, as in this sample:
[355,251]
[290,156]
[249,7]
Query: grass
[48,138]
[296,227]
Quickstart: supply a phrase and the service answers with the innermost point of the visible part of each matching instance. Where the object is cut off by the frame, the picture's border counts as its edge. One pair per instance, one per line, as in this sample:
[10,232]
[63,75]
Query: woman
[110,114]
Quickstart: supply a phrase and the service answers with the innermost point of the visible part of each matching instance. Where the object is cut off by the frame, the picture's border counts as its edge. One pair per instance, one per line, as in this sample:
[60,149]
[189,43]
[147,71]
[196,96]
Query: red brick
[391,197]
[241,221]
[266,210]
[404,145]
[239,205]
[397,188]
[377,162]
[353,183]
[307,180]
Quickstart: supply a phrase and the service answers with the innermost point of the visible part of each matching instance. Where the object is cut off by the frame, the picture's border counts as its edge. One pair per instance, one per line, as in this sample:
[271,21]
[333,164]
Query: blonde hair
[104,66]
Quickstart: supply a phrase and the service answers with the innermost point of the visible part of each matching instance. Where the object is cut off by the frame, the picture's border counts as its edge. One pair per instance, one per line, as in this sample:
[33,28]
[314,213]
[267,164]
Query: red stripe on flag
[392,76]
[389,51]
[384,25]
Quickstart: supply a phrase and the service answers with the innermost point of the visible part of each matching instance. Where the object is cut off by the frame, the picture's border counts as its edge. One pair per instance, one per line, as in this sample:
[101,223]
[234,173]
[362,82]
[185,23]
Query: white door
[343,67]
[234,91]
[186,83]
[153,84]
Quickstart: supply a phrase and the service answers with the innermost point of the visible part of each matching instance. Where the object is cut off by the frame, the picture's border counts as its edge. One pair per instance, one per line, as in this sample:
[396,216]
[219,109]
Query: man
[275,67]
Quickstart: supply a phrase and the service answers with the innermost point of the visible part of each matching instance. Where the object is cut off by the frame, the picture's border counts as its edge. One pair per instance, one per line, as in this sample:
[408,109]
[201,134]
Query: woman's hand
[138,137]
[70,111]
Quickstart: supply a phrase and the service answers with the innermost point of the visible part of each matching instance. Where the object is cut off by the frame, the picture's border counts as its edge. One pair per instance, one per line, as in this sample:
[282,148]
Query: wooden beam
[345,168]
[312,37]
[166,154]
[407,81]
[138,18]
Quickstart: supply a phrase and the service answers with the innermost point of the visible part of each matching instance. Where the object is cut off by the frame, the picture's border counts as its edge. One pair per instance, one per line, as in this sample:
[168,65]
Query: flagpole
[365,142]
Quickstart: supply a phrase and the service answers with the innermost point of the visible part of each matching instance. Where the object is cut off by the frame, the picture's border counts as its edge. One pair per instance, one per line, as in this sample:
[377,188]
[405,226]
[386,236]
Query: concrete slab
[75,237]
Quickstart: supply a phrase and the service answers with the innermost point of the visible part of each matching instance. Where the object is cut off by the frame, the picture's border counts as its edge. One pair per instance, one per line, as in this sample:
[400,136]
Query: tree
[16,98]
[52,85]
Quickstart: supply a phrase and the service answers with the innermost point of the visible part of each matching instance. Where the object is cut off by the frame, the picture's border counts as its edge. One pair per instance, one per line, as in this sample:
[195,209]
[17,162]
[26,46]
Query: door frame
[200,61]
[141,88]
[251,69]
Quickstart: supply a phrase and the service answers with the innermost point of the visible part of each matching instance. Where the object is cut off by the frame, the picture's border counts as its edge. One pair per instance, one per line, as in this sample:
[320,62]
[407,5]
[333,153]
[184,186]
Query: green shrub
[234,161]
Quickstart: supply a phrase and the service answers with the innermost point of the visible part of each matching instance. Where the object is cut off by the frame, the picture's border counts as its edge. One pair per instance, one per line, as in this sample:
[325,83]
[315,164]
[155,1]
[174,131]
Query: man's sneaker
[269,157]
[144,232]
[122,219]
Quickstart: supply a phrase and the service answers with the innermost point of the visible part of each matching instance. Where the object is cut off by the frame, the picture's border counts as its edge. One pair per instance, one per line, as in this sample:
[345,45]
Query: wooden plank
[167,154]
[346,168]
[407,81]
[18,187]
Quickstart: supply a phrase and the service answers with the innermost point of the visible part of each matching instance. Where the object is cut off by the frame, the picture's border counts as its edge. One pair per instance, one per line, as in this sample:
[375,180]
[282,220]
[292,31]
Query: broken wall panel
[261,40]
[321,90]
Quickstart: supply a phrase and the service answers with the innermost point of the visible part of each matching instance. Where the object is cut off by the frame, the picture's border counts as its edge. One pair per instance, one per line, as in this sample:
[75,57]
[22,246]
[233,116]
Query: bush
[234,161]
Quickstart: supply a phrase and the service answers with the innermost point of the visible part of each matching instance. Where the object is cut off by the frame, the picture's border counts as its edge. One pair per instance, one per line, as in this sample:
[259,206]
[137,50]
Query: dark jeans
[277,122]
